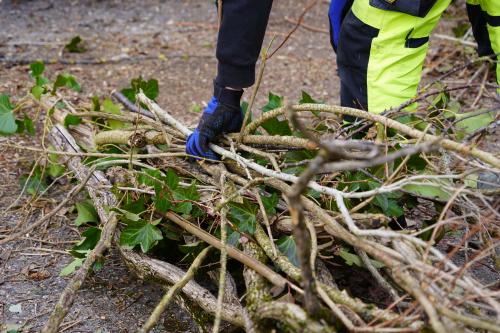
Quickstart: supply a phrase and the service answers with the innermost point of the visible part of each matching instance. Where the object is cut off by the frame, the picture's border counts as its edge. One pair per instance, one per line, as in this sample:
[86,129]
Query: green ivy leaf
[86,213]
[128,215]
[195,108]
[72,120]
[91,238]
[60,82]
[37,68]
[109,107]
[469,125]
[270,203]
[60,105]
[274,102]
[28,125]
[294,170]
[140,233]
[150,88]
[7,121]
[431,191]
[286,244]
[244,216]
[25,125]
[98,265]
[171,232]
[394,209]
[299,155]
[410,120]
[136,206]
[389,206]
[151,177]
[351,259]
[313,194]
[75,45]
[66,80]
[441,100]
[163,200]
[72,84]
[55,168]
[130,94]
[34,184]
[72,267]
[41,81]
[183,208]
[37,92]
[96,104]
[234,238]
[188,195]
[307,99]
[417,163]
[172,180]
[274,126]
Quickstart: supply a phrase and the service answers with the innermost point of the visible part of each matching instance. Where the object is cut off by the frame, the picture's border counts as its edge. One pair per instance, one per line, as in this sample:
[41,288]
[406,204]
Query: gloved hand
[223,114]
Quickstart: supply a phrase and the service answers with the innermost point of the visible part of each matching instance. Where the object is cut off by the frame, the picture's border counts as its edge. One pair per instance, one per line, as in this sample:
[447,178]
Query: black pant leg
[353,53]
[478,19]
[242,31]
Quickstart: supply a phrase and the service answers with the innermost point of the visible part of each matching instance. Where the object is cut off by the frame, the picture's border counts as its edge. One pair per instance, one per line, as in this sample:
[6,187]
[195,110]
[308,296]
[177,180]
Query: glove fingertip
[202,144]
[191,144]
[212,155]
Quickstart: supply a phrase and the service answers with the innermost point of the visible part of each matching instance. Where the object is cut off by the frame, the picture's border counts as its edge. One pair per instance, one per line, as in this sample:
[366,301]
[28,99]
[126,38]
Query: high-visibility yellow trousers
[381,52]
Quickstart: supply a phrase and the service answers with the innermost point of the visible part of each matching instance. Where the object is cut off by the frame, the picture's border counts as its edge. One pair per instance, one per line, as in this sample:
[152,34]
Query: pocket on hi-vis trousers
[418,8]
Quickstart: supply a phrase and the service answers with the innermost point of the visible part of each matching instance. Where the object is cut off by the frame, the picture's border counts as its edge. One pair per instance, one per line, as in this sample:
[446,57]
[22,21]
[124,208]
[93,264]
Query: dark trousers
[244,23]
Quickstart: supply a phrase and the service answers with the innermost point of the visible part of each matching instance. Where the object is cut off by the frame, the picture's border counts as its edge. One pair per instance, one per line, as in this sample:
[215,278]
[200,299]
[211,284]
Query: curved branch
[445,143]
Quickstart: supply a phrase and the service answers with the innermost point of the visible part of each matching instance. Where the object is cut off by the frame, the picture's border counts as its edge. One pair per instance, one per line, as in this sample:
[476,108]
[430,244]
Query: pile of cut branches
[297,196]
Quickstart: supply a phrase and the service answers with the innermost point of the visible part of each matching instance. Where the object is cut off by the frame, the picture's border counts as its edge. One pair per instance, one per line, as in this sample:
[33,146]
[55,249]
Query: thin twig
[299,22]
[74,191]
[223,259]
[162,128]
[172,291]
[84,154]
[260,75]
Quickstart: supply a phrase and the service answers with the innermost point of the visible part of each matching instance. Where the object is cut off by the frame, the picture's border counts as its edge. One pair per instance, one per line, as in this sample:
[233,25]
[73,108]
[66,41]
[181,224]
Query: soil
[179,37]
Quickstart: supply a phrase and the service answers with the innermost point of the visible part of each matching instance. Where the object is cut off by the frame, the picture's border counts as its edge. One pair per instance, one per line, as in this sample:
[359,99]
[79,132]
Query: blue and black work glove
[223,114]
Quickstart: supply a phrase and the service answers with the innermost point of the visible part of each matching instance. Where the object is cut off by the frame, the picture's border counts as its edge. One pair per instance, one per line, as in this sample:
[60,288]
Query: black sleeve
[242,31]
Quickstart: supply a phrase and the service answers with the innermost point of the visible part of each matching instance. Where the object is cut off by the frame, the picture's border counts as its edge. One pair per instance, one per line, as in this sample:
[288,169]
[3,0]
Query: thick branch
[63,141]
[167,274]
[402,128]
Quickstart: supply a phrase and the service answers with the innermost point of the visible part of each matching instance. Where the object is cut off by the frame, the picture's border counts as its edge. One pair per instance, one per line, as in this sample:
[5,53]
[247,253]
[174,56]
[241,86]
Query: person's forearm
[241,34]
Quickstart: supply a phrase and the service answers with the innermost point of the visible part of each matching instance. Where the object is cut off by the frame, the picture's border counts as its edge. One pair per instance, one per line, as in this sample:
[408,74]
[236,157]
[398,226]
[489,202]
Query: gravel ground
[181,32]
[180,36]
